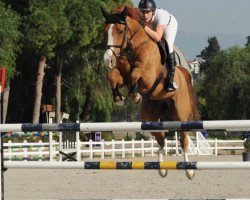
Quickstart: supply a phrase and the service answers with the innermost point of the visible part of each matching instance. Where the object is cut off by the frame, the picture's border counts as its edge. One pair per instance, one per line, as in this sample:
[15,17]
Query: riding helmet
[147,5]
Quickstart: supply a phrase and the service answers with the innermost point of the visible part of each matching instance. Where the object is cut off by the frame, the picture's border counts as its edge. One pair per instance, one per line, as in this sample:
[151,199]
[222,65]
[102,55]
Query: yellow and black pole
[135,165]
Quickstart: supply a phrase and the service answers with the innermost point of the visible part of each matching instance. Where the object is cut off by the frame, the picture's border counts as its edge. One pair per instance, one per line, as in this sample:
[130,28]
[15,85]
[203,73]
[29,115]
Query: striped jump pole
[27,158]
[228,125]
[170,165]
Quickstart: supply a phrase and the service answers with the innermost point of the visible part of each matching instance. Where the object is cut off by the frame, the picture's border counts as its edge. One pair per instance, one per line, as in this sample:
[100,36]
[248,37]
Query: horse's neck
[137,34]
[149,56]
[145,48]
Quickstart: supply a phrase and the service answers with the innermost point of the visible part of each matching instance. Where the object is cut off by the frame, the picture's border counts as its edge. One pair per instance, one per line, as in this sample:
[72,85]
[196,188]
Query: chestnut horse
[135,62]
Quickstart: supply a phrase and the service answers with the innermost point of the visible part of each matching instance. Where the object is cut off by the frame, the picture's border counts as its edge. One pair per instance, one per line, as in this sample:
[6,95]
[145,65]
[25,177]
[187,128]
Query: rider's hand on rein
[142,23]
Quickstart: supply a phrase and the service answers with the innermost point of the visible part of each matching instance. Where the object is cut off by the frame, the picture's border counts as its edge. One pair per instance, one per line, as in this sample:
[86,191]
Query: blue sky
[228,20]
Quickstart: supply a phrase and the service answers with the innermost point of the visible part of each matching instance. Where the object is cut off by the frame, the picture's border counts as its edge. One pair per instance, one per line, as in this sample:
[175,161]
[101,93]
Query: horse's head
[115,35]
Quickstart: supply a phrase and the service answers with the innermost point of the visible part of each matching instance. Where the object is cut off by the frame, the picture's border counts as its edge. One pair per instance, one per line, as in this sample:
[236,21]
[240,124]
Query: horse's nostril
[110,63]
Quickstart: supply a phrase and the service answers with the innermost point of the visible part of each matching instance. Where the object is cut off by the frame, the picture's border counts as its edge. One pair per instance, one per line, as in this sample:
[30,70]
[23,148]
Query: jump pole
[227,125]
[169,165]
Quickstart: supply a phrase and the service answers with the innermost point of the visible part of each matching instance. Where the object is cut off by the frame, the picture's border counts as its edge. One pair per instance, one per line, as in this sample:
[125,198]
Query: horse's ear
[125,12]
[105,13]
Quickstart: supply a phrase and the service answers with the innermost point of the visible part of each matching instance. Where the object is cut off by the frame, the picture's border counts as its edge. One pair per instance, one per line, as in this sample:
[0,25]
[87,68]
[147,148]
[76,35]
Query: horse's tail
[195,114]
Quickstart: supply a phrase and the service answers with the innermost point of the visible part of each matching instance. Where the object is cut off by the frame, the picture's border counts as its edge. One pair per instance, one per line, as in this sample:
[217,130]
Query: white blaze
[108,54]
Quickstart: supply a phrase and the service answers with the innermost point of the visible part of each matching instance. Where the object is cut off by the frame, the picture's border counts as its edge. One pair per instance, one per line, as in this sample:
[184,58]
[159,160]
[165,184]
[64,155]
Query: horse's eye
[120,31]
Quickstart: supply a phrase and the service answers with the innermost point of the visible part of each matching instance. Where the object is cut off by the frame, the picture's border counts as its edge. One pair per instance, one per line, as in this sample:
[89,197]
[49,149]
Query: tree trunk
[6,94]
[39,86]
[86,107]
[58,98]
[58,89]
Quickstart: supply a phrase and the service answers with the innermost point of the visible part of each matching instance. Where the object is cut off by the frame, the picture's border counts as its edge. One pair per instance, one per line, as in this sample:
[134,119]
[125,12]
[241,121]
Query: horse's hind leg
[160,138]
[183,111]
[153,111]
[184,144]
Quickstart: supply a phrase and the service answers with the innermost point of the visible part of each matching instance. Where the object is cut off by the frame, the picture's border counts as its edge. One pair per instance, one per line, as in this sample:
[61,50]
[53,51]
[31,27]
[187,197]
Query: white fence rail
[28,151]
[110,149]
[232,145]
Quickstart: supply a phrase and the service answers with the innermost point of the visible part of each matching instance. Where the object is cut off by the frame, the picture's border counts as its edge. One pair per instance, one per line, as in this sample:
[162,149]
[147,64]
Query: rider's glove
[142,23]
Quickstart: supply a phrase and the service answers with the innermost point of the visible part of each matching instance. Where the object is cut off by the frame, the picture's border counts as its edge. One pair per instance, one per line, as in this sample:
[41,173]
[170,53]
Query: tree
[209,53]
[39,87]
[9,49]
[248,41]
[68,34]
[47,28]
[226,91]
[38,31]
[86,92]
[20,7]
[89,97]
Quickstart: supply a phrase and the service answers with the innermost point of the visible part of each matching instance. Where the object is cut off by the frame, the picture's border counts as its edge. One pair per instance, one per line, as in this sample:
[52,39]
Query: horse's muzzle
[109,59]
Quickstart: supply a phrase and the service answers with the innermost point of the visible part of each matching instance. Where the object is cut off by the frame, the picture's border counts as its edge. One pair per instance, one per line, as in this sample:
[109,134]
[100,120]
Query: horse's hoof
[190,174]
[163,173]
[121,103]
[138,98]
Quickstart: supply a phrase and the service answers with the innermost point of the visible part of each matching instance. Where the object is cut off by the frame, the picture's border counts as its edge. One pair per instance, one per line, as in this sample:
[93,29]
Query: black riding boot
[171,62]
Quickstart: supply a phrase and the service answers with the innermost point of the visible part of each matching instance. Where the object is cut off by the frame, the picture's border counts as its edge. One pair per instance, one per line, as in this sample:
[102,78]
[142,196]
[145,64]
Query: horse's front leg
[116,80]
[134,77]
[184,145]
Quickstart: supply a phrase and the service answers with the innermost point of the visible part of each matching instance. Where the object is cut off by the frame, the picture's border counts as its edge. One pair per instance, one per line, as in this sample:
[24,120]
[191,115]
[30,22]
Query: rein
[130,49]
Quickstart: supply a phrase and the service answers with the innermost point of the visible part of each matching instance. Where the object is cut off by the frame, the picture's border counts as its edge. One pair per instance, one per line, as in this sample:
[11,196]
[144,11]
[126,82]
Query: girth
[146,95]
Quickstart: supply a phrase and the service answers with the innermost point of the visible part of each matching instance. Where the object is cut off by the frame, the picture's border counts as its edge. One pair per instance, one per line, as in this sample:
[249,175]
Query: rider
[165,26]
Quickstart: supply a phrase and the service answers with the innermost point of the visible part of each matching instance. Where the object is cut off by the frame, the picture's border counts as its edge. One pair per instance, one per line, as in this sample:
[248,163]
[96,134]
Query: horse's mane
[133,12]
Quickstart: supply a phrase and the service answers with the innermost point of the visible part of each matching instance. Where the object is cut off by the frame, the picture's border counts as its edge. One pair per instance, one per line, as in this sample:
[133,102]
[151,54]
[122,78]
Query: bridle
[128,49]
[121,46]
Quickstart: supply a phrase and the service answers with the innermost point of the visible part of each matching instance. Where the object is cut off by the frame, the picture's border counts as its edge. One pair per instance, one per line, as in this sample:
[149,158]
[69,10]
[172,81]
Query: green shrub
[128,138]
[108,136]
[247,145]
[145,137]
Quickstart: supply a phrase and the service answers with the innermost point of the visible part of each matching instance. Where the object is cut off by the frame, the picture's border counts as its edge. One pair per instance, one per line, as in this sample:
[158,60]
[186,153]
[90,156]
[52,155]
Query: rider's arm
[157,34]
